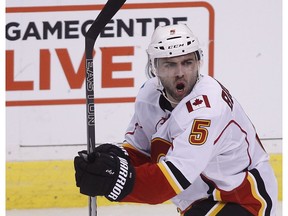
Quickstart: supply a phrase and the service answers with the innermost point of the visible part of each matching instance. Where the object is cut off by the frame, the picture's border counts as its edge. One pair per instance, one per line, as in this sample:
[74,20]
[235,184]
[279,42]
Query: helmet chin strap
[162,91]
[173,103]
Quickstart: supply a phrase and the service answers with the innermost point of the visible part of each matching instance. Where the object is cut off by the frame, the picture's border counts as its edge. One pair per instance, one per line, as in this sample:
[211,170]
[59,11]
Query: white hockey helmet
[171,41]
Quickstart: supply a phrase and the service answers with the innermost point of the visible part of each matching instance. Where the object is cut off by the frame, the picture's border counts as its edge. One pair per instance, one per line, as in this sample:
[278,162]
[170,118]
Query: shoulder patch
[198,102]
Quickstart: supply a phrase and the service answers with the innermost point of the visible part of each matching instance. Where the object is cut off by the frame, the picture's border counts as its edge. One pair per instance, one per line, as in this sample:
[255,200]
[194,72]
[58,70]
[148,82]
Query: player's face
[178,75]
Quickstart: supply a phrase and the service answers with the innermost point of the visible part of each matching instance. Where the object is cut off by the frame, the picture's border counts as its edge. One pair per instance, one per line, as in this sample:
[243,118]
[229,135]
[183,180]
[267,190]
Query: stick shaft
[106,14]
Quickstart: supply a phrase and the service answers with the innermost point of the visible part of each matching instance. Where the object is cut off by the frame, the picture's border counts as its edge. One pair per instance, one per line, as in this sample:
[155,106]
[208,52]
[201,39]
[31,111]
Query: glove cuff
[124,182]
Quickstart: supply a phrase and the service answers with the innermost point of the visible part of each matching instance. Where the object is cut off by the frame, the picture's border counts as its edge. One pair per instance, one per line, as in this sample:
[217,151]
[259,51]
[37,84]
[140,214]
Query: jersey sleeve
[145,118]
[137,157]
[135,134]
[151,186]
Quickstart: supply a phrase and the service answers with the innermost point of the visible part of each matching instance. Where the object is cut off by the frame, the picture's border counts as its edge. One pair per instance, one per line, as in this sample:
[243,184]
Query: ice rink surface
[116,210]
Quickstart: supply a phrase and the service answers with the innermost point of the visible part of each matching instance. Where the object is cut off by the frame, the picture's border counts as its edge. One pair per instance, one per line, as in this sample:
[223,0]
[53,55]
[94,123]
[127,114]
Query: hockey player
[189,141]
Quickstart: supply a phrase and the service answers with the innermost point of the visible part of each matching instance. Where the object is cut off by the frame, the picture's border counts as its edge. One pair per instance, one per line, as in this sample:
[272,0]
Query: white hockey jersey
[205,146]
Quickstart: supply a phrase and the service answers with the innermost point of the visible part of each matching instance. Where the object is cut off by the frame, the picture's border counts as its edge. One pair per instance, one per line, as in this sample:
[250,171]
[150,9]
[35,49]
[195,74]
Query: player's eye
[169,64]
[188,62]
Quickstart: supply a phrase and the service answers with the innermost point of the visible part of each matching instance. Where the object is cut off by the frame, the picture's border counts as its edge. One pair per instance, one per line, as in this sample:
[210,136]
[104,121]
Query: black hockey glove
[100,174]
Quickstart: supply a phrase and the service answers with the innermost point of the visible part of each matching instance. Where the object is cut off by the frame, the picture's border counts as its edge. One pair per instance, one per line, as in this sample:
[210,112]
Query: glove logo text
[120,183]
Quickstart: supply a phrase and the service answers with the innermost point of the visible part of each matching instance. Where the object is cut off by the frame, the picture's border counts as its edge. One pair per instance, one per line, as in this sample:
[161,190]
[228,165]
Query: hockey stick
[106,14]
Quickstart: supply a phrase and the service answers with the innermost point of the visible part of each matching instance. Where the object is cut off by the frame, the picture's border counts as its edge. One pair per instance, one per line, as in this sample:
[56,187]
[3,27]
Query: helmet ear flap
[150,68]
[199,54]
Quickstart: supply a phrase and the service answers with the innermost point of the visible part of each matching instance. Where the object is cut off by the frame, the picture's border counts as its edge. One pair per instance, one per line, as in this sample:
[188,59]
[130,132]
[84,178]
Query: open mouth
[180,87]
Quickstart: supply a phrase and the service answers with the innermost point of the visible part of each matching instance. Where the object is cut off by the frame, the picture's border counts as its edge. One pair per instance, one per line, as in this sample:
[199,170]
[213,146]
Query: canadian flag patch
[198,102]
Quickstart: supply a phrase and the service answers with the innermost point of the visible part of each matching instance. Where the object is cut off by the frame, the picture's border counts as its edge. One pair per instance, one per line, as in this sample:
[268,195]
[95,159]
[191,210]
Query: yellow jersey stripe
[217,195]
[169,178]
[216,209]
[256,194]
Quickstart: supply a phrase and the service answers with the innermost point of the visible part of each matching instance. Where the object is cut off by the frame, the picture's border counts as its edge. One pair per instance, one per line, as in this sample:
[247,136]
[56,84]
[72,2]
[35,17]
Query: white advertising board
[45,89]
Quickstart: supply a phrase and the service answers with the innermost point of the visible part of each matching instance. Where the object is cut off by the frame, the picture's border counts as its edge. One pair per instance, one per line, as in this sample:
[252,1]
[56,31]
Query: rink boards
[51,184]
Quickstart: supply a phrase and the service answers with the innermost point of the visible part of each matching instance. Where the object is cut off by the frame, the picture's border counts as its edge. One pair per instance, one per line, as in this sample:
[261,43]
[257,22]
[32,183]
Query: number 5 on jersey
[199,132]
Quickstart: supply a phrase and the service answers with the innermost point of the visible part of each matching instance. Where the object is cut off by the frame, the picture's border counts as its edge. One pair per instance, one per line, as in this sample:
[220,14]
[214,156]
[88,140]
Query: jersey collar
[164,103]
